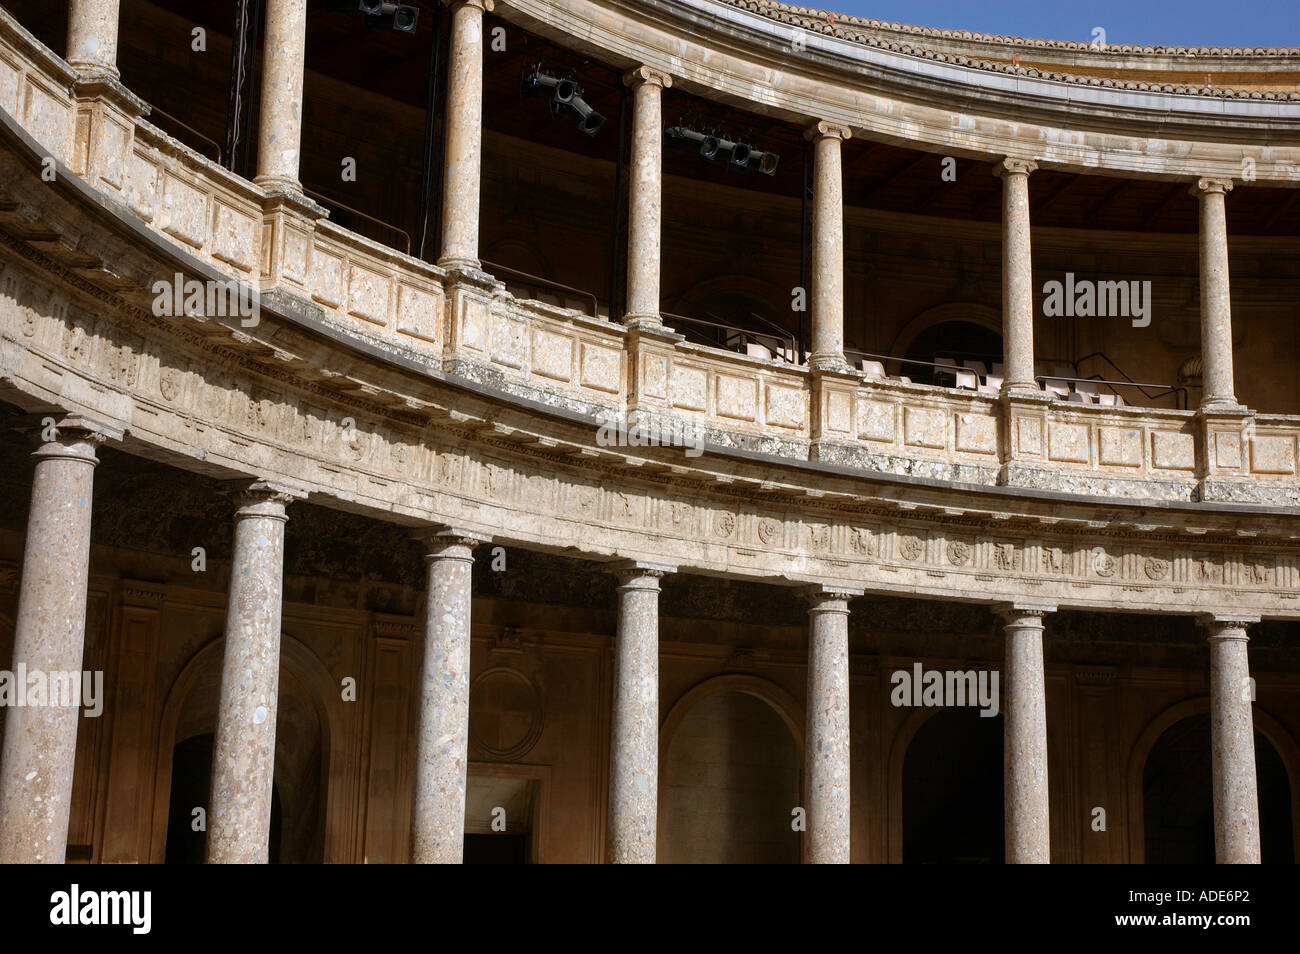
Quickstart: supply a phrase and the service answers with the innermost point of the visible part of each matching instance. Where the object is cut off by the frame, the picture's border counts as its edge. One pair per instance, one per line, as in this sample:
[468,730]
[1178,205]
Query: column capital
[647,76]
[1210,185]
[487,6]
[262,497]
[825,129]
[1227,625]
[441,540]
[639,574]
[1014,166]
[1014,611]
[821,595]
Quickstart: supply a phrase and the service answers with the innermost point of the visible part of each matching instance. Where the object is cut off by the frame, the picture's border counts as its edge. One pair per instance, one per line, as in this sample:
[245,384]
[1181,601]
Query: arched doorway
[957,339]
[730,780]
[952,790]
[1178,801]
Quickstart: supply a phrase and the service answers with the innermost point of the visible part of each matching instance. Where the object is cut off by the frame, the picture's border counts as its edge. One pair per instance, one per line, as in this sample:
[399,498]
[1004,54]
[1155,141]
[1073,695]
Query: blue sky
[1152,22]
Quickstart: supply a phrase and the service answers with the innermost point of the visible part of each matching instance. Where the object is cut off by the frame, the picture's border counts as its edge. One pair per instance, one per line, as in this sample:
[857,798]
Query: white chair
[1107,400]
[945,372]
[1056,387]
[979,368]
[756,350]
[873,369]
[1079,397]
[968,380]
[992,384]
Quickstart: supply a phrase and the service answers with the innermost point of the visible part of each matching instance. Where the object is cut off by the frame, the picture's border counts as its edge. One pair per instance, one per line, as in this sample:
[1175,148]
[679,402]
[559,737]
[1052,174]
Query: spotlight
[767,163]
[709,147]
[740,155]
[589,121]
[371,8]
[565,96]
[402,17]
[737,155]
[405,17]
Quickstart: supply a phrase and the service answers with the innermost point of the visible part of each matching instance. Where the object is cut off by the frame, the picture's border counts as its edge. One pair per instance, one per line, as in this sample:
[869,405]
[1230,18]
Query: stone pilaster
[826,735]
[243,757]
[827,293]
[442,745]
[1232,742]
[92,36]
[1216,306]
[462,165]
[645,195]
[1028,838]
[1017,277]
[40,739]
[634,741]
[279,121]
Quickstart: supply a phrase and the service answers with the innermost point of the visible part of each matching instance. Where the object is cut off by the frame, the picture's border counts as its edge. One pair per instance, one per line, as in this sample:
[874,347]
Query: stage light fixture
[402,17]
[565,96]
[737,155]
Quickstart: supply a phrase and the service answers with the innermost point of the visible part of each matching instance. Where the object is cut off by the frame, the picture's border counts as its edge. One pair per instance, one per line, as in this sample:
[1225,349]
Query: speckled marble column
[645,194]
[279,121]
[634,742]
[92,35]
[827,293]
[826,736]
[243,756]
[1024,709]
[1017,278]
[463,153]
[1232,742]
[40,742]
[1216,305]
[442,745]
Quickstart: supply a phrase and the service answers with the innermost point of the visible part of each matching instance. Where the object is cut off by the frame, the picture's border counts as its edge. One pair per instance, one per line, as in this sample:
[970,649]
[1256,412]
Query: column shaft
[442,746]
[92,35]
[462,160]
[243,757]
[645,194]
[1232,744]
[1028,836]
[1216,305]
[827,292]
[279,123]
[1017,278]
[634,744]
[826,737]
[40,741]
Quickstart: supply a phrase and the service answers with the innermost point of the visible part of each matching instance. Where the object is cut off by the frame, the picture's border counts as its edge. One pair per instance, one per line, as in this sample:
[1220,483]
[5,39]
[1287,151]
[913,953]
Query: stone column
[634,742]
[243,756]
[1232,742]
[92,35]
[1028,837]
[463,154]
[826,735]
[645,194]
[1017,278]
[1216,304]
[827,293]
[279,120]
[442,746]
[40,740]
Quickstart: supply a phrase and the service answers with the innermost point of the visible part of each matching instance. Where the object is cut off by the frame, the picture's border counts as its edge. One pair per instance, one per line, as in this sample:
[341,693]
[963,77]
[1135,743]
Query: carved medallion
[1156,568]
[959,552]
[910,548]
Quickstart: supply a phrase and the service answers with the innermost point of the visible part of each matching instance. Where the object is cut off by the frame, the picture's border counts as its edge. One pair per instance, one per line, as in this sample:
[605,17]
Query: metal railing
[155,111]
[788,350]
[538,281]
[331,201]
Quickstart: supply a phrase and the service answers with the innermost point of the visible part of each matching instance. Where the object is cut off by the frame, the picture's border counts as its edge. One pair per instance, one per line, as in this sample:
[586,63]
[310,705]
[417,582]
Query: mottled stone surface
[279,124]
[645,195]
[1028,839]
[1017,277]
[464,138]
[40,742]
[826,738]
[1216,306]
[634,734]
[827,292]
[442,744]
[1232,742]
[243,757]
[92,35]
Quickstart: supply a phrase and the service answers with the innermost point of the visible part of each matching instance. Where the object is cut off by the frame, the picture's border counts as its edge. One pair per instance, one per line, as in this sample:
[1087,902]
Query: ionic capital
[825,129]
[487,6]
[1013,166]
[1211,186]
[262,497]
[640,575]
[1227,626]
[647,75]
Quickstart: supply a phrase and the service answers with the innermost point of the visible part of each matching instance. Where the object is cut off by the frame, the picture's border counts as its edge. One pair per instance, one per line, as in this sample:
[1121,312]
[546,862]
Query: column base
[830,361]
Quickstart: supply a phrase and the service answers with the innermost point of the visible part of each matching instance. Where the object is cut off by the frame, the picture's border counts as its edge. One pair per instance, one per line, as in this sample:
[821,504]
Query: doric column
[1216,304]
[826,735]
[1028,838]
[827,293]
[40,740]
[279,121]
[463,155]
[243,756]
[645,194]
[442,746]
[634,741]
[92,35]
[1232,742]
[1017,277]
